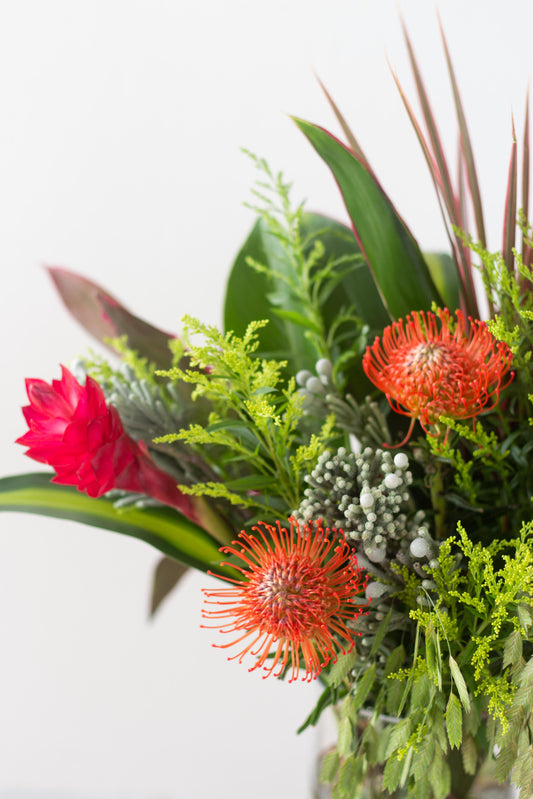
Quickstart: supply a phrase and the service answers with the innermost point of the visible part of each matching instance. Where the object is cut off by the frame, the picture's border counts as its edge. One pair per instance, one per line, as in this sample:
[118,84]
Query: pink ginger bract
[430,365]
[294,599]
[75,431]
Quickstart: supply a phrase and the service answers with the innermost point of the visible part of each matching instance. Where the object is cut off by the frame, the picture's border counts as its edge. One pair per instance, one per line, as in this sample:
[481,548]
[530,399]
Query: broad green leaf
[399,736]
[512,651]
[526,675]
[445,277]
[345,738]
[341,668]
[440,777]
[469,755]
[364,686]
[507,757]
[460,683]
[167,575]
[357,288]
[297,318]
[248,298]
[392,774]
[349,776]
[394,661]
[252,295]
[393,255]
[423,757]
[164,528]
[381,632]
[524,617]
[454,721]
[330,766]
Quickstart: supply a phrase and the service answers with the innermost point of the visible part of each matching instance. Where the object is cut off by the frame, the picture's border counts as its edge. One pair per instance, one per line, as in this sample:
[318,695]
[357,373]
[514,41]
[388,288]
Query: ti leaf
[393,255]
[164,528]
[104,317]
[252,295]
[167,575]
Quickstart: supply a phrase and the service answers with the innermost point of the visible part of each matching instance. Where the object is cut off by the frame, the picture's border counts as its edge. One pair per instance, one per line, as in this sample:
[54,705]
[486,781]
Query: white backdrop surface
[121,123]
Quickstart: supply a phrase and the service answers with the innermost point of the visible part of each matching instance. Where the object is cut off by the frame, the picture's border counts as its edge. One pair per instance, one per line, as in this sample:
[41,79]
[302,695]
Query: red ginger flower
[428,366]
[73,430]
[294,598]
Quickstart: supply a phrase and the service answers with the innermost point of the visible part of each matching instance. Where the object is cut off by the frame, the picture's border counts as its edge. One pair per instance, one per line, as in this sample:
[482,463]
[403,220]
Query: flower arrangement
[350,456]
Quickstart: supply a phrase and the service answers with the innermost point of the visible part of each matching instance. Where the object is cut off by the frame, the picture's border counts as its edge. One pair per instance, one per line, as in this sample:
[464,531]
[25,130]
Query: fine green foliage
[471,662]
[253,436]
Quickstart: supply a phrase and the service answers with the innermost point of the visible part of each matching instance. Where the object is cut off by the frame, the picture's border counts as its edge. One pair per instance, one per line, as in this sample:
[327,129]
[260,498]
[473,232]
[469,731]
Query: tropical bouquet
[350,456]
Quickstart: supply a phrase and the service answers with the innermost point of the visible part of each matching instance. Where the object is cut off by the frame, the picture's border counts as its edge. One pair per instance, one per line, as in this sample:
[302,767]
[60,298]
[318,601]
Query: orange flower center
[291,594]
[428,357]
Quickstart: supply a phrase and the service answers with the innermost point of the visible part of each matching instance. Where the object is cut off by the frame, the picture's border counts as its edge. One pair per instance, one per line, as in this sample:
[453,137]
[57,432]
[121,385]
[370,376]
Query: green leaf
[399,736]
[393,255]
[394,661]
[392,774]
[524,617]
[167,575]
[423,757]
[164,528]
[381,632]
[454,721]
[469,755]
[251,482]
[357,286]
[297,318]
[345,739]
[349,776]
[364,686]
[341,668]
[506,758]
[433,656]
[395,691]
[460,683]
[440,776]
[252,295]
[445,277]
[523,769]
[330,766]
[247,299]
[512,651]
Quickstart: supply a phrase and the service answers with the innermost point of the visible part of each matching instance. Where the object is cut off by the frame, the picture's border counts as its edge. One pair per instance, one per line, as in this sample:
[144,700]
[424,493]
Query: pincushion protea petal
[430,365]
[294,601]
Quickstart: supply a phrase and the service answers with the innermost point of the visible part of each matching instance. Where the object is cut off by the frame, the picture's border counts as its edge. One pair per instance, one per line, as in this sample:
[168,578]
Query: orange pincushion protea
[293,600]
[431,366]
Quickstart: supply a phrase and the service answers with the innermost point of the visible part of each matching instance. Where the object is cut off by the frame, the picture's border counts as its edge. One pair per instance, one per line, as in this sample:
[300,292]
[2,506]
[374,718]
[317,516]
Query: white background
[120,128]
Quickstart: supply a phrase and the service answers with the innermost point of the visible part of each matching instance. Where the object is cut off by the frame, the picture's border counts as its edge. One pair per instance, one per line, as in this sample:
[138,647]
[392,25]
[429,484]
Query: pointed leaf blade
[393,255]
[163,528]
[249,294]
[104,317]
[167,575]
[466,146]
[509,218]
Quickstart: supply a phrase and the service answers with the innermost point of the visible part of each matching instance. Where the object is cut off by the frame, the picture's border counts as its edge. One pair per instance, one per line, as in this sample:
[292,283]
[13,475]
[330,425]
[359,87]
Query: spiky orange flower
[293,600]
[431,365]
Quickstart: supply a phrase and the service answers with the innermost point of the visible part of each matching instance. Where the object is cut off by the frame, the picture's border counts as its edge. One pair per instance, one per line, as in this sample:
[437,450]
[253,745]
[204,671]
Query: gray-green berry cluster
[365,494]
